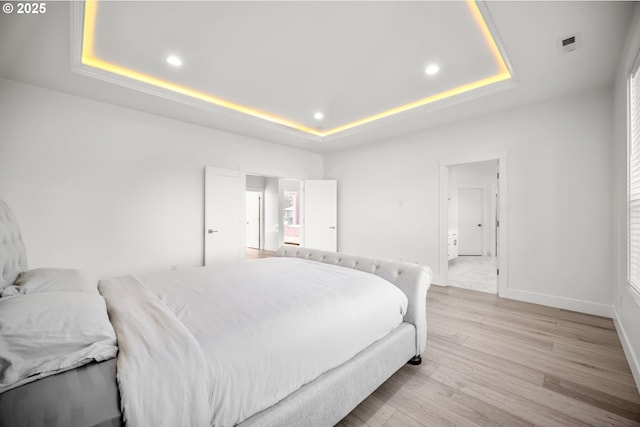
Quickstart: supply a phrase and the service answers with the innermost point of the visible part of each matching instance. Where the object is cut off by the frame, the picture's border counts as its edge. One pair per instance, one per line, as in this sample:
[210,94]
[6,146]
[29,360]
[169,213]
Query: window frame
[632,75]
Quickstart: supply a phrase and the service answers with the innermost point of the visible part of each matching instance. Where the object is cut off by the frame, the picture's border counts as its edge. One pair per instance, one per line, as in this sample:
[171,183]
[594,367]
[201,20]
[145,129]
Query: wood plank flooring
[496,362]
[251,253]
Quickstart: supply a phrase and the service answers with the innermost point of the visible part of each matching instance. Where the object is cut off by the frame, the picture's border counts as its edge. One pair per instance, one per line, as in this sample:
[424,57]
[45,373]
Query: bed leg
[416,360]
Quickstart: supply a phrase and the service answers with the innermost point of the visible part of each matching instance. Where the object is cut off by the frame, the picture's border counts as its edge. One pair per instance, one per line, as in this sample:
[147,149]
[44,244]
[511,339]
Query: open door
[320,215]
[224,215]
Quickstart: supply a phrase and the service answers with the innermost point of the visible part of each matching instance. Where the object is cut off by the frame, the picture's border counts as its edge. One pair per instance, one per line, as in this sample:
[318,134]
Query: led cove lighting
[174,60]
[318,116]
[432,69]
[89,59]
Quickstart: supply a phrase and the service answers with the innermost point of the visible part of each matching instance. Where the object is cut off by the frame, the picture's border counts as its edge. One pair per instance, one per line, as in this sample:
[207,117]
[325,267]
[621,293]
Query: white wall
[255,183]
[113,190]
[626,307]
[559,193]
[478,175]
[289,185]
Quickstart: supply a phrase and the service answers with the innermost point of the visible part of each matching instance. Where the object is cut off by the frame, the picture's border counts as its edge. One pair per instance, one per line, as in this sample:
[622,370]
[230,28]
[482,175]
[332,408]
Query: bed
[295,340]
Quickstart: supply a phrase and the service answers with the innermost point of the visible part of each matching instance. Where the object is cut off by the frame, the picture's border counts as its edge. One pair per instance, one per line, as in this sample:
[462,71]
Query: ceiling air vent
[568,44]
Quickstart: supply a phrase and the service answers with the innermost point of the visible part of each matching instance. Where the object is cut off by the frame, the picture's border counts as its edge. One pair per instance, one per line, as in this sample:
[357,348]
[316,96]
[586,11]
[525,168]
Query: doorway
[472,242]
[276,202]
[252,215]
[291,212]
[262,216]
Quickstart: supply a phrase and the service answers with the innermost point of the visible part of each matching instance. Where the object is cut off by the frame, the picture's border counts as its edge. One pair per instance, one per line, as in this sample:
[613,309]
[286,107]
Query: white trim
[632,181]
[572,304]
[632,358]
[495,34]
[443,226]
[501,157]
[503,254]
[474,158]
[76,9]
[493,216]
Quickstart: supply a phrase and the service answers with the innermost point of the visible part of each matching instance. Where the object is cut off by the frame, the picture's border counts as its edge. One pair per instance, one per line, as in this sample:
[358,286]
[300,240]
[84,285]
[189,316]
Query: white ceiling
[350,60]
[347,59]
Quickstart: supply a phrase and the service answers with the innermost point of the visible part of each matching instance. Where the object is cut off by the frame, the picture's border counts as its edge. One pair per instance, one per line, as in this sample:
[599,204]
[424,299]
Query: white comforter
[249,334]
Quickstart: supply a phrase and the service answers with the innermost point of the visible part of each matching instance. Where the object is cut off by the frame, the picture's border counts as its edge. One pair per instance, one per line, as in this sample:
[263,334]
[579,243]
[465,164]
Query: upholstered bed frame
[322,402]
[326,400]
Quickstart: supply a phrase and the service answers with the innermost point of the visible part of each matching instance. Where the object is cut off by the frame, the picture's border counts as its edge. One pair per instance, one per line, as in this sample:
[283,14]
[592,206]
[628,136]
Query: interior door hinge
[498,271]
[498,175]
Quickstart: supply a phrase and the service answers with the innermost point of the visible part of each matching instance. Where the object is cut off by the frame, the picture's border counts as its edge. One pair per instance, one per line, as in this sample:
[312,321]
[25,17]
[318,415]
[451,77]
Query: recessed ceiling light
[174,60]
[318,116]
[432,69]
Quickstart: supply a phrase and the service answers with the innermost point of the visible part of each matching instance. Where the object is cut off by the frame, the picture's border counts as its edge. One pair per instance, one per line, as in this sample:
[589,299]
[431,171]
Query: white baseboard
[559,302]
[632,358]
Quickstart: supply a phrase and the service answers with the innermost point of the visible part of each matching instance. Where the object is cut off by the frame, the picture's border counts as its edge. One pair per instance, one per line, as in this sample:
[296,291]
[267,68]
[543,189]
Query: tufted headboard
[13,256]
[412,279]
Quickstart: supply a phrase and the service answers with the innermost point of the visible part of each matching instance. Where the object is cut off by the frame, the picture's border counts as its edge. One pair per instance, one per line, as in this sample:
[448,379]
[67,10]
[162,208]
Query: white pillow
[53,280]
[46,333]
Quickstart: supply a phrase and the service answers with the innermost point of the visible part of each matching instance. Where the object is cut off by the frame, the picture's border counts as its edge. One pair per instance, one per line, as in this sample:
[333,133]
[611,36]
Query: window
[634,177]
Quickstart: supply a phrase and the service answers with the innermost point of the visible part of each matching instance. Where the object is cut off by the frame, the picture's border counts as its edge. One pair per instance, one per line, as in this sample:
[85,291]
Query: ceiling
[350,61]
[263,69]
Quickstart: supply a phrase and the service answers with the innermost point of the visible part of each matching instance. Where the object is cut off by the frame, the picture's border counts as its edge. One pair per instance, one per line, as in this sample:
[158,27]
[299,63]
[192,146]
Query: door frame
[444,165]
[483,216]
[493,218]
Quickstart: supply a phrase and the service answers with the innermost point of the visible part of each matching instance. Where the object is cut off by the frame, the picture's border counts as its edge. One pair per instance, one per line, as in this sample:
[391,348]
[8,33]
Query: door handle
[332,228]
[479,225]
[211,231]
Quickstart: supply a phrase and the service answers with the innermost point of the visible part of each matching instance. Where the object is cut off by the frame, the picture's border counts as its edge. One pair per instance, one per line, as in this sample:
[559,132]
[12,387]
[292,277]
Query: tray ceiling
[289,63]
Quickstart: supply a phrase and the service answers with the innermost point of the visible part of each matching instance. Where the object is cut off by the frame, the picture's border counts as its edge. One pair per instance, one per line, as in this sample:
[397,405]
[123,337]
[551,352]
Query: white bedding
[160,368]
[266,327]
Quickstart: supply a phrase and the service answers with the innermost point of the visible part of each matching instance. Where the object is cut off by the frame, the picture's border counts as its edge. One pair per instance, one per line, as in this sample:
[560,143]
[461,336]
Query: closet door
[224,215]
[470,222]
[321,215]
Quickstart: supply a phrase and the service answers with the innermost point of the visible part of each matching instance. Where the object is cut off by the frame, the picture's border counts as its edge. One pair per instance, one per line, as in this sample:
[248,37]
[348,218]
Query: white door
[470,221]
[253,199]
[224,215]
[320,215]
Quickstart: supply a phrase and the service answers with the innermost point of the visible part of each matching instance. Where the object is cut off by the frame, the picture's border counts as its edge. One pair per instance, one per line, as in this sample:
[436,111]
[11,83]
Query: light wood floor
[251,253]
[497,362]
